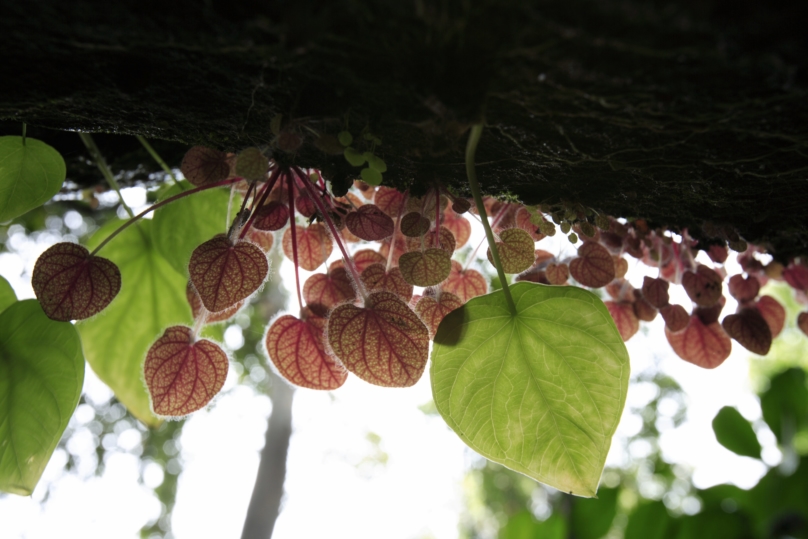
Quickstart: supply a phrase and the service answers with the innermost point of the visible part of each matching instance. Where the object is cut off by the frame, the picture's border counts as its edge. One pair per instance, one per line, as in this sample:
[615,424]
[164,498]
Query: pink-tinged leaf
[183,375]
[656,291]
[389,200]
[314,245]
[376,278]
[264,240]
[533,276]
[211,318]
[370,223]
[594,266]
[461,205]
[459,226]
[447,241]
[802,322]
[465,284]
[543,256]
[750,264]
[523,221]
[718,253]
[425,268]
[384,343]
[774,313]
[224,274]
[708,315]
[703,286]
[367,190]
[361,259]
[624,318]
[203,165]
[414,225]
[750,329]
[620,290]
[323,291]
[296,349]
[252,164]
[704,345]
[400,247]
[744,289]
[70,284]
[426,204]
[557,274]
[797,276]
[432,310]
[675,316]
[272,216]
[505,216]
[305,206]
[642,308]
[517,251]
[620,267]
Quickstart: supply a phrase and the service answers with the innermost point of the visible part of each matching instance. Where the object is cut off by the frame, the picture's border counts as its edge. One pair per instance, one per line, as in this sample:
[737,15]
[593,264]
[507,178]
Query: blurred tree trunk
[268,490]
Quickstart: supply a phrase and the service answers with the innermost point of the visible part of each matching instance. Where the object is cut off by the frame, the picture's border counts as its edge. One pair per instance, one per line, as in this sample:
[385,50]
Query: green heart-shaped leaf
[541,391]
[41,375]
[152,297]
[30,174]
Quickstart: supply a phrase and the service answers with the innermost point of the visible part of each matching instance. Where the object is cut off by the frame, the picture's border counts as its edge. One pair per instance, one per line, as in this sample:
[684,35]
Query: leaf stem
[160,204]
[88,141]
[290,182]
[471,150]
[159,160]
[395,232]
[273,177]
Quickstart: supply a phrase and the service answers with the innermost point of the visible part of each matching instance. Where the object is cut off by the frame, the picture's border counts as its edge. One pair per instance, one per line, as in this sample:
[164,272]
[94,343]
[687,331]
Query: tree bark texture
[268,490]
[690,114]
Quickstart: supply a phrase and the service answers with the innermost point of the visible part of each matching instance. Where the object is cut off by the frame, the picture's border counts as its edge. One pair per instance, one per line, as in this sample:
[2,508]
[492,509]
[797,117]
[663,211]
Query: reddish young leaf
[642,308]
[459,226]
[704,345]
[465,284]
[703,286]
[432,310]
[708,315]
[624,318]
[400,247]
[389,200]
[425,268]
[718,253]
[744,289]
[224,274]
[594,266]
[414,225]
[447,241]
[533,276]
[296,349]
[773,313]
[461,205]
[370,223]
[314,245]
[305,205]
[272,216]
[516,250]
[656,291]
[620,267]
[675,316]
[70,284]
[557,274]
[264,240]
[543,256]
[384,343]
[252,164]
[523,221]
[797,276]
[361,259]
[620,290]
[750,329]
[425,204]
[211,318]
[183,375]
[203,165]
[802,322]
[322,291]
[375,278]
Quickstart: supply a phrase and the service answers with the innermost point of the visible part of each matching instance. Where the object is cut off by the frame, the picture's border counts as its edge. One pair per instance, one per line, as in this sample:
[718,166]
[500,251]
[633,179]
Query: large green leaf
[181,226]
[592,518]
[41,375]
[541,391]
[152,297]
[30,174]
[7,295]
[650,521]
[524,525]
[785,404]
[735,433]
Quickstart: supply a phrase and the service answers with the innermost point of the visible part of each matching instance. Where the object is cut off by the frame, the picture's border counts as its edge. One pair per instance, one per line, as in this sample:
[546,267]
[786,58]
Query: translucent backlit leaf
[210,318]
[305,205]
[445,238]
[744,289]
[203,165]
[224,273]
[675,316]
[703,286]
[620,267]
[362,259]
[496,381]
[322,291]
[370,223]
[802,322]
[72,285]
[557,274]
[516,250]
[383,343]
[414,225]
[795,275]
[750,329]
[389,200]
[252,164]
[642,308]
[41,376]
[314,245]
[296,349]
[459,226]
[465,284]
[433,310]
[524,221]
[376,278]
[183,375]
[594,266]
[624,318]
[704,345]
[400,247]
[773,313]
[655,291]
[264,240]
[272,216]
[425,268]
[30,174]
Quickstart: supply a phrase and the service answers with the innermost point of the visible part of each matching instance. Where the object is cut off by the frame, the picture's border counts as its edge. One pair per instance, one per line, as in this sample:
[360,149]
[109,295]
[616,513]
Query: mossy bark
[689,114]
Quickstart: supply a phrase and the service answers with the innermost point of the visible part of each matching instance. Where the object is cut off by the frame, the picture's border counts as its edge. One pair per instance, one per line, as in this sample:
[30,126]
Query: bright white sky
[335,488]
